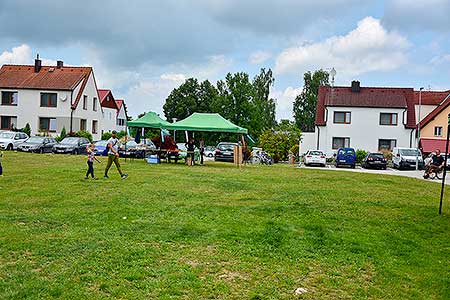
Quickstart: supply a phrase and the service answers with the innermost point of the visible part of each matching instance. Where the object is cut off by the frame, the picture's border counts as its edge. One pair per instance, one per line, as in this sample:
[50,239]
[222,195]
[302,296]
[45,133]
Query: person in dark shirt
[190,147]
[437,162]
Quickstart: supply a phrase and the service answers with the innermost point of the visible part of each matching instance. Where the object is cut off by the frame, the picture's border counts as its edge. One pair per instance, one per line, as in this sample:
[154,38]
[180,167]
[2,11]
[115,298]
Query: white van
[405,158]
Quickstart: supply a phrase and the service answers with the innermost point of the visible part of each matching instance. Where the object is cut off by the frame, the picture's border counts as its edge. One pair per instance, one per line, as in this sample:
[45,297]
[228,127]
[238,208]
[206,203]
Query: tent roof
[149,120]
[206,122]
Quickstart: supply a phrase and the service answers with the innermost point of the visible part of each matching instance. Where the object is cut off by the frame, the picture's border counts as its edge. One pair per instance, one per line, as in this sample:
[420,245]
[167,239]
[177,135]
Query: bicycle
[433,172]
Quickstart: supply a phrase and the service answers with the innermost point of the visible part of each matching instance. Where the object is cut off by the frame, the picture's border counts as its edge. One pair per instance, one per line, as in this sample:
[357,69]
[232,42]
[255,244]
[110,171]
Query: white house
[369,118]
[50,98]
[114,111]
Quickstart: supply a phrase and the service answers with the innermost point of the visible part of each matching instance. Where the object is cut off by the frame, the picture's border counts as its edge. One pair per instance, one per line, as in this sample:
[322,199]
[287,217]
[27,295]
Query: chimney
[59,64]
[37,64]
[356,88]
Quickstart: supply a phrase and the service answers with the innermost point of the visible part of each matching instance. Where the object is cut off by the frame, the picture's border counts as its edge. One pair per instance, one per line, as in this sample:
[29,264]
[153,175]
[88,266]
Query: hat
[114,132]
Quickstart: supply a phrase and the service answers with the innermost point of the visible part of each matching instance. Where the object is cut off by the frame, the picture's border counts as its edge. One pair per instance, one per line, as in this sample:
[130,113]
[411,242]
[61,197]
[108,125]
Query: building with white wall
[114,111]
[368,118]
[50,98]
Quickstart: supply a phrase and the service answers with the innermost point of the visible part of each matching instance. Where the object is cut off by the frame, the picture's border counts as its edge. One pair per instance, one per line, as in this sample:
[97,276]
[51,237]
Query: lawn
[217,232]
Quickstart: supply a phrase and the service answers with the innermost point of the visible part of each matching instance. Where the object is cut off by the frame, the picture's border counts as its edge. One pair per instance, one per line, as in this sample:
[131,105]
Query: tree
[280,141]
[264,111]
[305,103]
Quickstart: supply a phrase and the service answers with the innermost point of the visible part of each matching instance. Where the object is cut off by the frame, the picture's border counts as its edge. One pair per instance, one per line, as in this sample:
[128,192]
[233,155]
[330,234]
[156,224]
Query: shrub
[106,136]
[84,134]
[360,155]
[280,141]
[27,129]
[121,134]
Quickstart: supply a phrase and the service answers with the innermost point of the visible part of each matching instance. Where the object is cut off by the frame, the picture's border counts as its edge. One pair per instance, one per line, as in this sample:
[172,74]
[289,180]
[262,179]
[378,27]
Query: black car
[375,161]
[38,144]
[225,152]
[72,145]
[135,150]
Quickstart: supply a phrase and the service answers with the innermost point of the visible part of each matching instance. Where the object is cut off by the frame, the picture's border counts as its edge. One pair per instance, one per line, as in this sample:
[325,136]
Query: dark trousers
[90,169]
[1,169]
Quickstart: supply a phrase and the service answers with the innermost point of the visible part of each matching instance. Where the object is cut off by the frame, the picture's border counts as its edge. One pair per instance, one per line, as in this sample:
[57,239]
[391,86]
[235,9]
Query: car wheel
[210,155]
[323,165]
[41,150]
[75,152]
[9,147]
[353,166]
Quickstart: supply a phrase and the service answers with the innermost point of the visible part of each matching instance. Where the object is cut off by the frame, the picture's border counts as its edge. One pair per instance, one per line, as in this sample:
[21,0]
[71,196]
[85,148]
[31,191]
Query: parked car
[72,145]
[346,157]
[225,152]
[10,140]
[374,161]
[315,157]
[100,147]
[209,151]
[135,150]
[405,158]
[38,144]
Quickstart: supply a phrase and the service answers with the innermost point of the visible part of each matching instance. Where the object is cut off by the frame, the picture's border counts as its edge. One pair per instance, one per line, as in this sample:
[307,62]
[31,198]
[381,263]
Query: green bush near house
[360,155]
[106,136]
[62,135]
[85,134]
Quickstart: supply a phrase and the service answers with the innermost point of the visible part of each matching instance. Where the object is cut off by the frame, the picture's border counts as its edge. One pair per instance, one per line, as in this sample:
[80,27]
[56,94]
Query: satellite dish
[63,98]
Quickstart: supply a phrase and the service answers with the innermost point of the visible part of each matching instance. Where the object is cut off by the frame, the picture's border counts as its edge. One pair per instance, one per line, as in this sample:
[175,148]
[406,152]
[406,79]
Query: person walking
[90,161]
[202,151]
[190,147]
[113,155]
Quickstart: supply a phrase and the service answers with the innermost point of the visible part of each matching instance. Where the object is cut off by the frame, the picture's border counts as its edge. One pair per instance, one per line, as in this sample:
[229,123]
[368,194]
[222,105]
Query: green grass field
[217,232]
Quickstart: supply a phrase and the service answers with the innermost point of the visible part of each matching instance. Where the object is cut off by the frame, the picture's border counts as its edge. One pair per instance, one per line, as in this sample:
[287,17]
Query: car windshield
[226,147]
[130,144]
[35,139]
[409,152]
[7,135]
[69,141]
[377,155]
[316,153]
[209,148]
[101,143]
[346,152]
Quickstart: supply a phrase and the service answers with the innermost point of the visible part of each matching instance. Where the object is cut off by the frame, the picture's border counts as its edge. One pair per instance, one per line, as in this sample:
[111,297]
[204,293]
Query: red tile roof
[111,103]
[366,97]
[435,112]
[430,97]
[428,145]
[48,78]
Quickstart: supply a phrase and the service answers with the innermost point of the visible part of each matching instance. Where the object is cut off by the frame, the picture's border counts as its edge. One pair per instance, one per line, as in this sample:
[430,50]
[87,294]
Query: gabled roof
[430,97]
[48,78]
[445,102]
[111,103]
[121,103]
[366,97]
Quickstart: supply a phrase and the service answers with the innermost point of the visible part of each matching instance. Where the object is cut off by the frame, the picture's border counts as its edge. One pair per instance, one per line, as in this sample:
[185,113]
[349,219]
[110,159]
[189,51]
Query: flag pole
[445,165]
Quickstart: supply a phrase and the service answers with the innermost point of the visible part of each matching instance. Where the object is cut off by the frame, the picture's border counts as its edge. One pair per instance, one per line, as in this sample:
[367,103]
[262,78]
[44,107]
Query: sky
[142,49]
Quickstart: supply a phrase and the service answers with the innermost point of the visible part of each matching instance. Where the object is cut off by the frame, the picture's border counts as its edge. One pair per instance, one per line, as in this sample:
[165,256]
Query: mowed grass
[217,232]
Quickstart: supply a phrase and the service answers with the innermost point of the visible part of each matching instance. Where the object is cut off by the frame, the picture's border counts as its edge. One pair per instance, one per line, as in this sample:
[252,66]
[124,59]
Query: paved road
[389,171]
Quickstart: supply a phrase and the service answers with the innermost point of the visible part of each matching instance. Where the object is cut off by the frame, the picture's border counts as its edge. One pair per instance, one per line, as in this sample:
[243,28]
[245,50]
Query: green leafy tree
[85,134]
[106,135]
[305,103]
[279,142]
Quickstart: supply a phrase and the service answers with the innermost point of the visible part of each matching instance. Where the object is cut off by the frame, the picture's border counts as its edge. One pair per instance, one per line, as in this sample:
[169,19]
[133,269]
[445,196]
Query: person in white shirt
[113,155]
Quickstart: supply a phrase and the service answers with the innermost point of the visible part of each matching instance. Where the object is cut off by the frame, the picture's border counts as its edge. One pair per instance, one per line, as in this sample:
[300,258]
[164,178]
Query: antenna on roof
[37,56]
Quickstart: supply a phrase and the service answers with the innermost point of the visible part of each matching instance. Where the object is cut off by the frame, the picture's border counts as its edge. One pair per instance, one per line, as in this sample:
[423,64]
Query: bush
[279,142]
[360,155]
[121,134]
[84,134]
[106,136]
[27,129]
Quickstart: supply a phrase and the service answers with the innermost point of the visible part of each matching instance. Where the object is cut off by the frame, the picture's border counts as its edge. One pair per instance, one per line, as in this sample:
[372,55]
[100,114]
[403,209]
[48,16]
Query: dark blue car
[100,147]
[346,157]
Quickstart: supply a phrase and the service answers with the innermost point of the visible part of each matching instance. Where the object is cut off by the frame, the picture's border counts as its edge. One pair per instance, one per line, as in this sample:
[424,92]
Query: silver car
[9,140]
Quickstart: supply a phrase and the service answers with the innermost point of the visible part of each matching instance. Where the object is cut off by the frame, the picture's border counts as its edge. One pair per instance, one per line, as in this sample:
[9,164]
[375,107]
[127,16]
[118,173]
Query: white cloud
[440,59]
[369,47]
[173,77]
[259,57]
[285,101]
[18,55]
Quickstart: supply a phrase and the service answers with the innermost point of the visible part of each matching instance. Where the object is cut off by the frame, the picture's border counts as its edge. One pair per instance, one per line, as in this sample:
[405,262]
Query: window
[120,122]
[387,144]
[7,122]
[10,98]
[94,126]
[47,124]
[341,142]
[83,124]
[388,119]
[94,104]
[341,117]
[85,102]
[438,131]
[48,99]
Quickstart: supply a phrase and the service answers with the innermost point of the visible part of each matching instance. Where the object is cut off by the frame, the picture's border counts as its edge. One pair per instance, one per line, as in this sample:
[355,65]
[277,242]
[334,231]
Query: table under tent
[197,122]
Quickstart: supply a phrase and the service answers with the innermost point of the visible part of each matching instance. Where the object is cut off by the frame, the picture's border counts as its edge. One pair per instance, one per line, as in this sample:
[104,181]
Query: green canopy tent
[206,122]
[149,120]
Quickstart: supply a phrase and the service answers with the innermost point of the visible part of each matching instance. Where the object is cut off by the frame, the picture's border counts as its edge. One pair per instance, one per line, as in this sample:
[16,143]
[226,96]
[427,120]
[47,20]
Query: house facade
[50,98]
[122,115]
[367,118]
[114,111]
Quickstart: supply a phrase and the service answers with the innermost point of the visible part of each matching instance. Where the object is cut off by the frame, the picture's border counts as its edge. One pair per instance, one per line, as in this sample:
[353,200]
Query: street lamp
[418,128]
